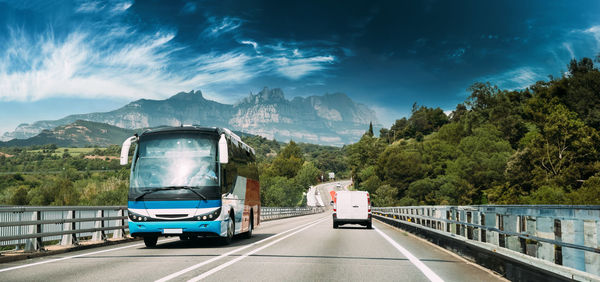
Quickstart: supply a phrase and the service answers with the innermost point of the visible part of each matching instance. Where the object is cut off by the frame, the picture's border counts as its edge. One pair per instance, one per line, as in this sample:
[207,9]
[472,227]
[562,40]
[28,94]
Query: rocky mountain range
[331,119]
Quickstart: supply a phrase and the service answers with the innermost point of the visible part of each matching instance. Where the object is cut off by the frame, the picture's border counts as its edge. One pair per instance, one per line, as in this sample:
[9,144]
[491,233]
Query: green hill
[78,134]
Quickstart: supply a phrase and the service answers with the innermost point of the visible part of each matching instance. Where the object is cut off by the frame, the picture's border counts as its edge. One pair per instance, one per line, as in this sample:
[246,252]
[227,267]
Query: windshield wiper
[189,188]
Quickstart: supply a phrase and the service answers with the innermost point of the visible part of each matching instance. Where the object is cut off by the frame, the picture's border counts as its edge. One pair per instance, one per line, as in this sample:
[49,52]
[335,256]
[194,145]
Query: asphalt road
[304,248]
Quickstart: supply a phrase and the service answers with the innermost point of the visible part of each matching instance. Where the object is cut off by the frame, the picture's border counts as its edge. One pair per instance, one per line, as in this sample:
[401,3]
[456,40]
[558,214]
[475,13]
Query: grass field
[73,151]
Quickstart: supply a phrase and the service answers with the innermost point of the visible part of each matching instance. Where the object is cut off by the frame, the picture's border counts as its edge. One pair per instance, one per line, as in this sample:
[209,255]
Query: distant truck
[352,207]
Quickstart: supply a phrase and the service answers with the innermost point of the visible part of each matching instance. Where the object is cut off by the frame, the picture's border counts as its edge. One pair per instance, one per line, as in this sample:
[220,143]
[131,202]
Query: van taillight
[369,201]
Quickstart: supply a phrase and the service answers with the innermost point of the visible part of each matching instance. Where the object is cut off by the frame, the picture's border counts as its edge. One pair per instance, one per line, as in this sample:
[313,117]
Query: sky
[66,57]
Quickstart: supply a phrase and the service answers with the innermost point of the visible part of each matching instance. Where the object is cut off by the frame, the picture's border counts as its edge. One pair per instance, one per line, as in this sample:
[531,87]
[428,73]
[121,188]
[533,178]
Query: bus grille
[171,215]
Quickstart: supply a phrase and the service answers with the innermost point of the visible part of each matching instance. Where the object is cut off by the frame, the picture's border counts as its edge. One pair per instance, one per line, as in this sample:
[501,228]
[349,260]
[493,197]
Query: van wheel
[230,230]
[150,241]
[369,225]
[335,225]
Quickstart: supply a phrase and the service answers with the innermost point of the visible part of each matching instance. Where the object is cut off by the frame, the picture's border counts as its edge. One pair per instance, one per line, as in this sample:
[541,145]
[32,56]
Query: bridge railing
[562,235]
[32,227]
[269,213]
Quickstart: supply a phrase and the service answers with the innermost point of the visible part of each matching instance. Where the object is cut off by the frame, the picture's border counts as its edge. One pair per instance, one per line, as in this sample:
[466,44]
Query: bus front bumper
[176,228]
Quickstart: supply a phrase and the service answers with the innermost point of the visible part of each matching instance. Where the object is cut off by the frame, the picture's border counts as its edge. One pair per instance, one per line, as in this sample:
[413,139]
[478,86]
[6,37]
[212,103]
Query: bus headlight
[137,217]
[209,216]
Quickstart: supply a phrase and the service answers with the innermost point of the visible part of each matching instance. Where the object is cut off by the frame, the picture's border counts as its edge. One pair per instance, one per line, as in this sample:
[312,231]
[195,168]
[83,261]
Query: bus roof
[192,128]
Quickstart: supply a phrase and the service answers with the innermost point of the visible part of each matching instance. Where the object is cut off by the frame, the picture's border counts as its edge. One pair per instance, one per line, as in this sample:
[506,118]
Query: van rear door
[344,204]
[360,209]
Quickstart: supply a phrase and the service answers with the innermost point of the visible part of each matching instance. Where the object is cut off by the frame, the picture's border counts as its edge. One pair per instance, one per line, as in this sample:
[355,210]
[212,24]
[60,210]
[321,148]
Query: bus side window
[229,170]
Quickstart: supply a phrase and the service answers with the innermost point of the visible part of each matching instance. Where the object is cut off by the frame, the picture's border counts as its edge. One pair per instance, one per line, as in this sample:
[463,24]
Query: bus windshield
[175,160]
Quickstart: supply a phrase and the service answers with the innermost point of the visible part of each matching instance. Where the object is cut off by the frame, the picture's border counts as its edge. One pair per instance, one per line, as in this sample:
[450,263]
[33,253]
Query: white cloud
[122,6]
[83,65]
[250,42]
[90,7]
[569,48]
[219,27]
[295,68]
[595,32]
[518,78]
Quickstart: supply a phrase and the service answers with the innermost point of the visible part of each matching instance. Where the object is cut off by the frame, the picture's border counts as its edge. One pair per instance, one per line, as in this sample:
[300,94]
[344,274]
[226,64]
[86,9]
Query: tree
[458,113]
[370,180]
[19,196]
[399,167]
[589,193]
[363,154]
[581,67]
[370,132]
[482,159]
[288,162]
[279,191]
[385,196]
[307,175]
[384,134]
[397,131]
[564,151]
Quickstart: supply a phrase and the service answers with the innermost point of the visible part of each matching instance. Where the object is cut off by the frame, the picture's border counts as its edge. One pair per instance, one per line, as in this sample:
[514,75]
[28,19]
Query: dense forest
[533,146]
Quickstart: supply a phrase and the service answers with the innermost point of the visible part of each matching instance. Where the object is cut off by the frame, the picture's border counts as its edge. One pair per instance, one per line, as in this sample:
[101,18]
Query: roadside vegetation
[534,146]
[49,175]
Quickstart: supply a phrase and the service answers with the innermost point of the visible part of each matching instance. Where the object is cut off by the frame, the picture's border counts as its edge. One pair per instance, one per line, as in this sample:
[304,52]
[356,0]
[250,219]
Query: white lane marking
[222,266]
[77,256]
[183,271]
[421,266]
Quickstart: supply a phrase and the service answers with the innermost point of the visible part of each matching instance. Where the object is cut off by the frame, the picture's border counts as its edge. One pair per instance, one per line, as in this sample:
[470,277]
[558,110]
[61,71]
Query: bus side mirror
[125,150]
[223,156]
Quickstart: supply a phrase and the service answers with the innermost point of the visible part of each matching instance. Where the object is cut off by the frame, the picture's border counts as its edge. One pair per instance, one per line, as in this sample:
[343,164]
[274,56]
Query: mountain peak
[188,96]
[265,96]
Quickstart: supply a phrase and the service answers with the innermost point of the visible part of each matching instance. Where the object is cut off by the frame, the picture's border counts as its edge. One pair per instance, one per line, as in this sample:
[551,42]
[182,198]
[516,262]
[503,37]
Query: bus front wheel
[150,241]
[230,230]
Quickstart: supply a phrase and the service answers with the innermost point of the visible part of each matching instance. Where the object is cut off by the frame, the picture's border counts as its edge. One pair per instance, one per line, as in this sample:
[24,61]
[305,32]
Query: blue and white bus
[191,182]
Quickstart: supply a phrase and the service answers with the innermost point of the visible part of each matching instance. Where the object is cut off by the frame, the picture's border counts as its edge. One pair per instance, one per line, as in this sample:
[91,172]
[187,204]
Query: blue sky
[64,57]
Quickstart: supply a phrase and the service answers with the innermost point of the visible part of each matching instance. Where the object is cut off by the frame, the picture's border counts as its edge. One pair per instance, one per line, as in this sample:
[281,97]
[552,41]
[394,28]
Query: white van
[352,207]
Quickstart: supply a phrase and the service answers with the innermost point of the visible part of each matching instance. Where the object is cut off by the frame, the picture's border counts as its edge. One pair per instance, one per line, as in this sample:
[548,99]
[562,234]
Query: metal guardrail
[270,213]
[34,226]
[563,235]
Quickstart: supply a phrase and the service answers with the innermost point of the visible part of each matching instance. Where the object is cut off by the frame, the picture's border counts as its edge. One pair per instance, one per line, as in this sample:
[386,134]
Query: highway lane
[297,249]
[350,253]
